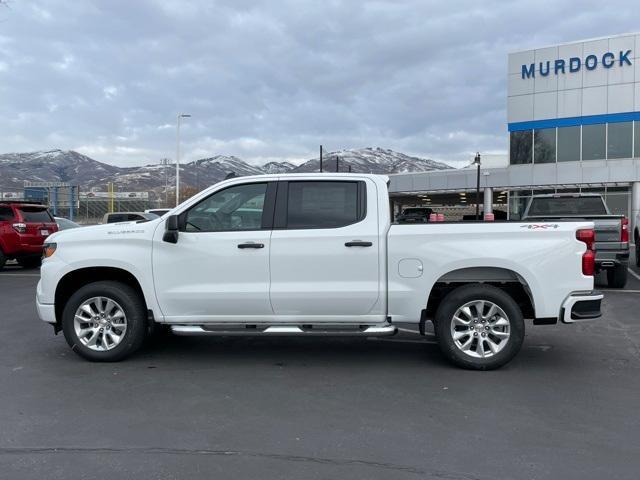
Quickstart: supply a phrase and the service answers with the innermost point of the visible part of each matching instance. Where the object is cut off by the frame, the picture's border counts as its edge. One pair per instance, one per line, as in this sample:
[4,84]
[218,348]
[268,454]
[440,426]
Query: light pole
[179,117]
[476,161]
[165,165]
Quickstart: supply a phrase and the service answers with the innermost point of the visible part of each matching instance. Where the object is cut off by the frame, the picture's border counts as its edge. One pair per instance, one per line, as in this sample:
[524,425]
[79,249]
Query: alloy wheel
[100,323]
[480,329]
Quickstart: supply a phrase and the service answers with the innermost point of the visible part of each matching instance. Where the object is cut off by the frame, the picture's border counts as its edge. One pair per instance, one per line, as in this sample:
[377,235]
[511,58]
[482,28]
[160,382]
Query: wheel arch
[506,279]
[76,279]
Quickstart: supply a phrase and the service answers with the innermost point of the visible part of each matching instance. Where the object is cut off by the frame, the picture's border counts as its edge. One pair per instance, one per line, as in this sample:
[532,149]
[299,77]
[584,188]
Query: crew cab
[611,231]
[23,228]
[314,254]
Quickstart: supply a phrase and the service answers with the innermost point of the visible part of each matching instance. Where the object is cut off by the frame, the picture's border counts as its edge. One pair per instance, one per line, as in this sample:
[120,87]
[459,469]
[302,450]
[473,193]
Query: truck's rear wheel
[617,276]
[479,327]
[104,321]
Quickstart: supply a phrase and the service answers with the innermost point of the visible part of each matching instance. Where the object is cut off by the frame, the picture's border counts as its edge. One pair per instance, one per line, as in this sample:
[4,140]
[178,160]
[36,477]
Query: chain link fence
[90,210]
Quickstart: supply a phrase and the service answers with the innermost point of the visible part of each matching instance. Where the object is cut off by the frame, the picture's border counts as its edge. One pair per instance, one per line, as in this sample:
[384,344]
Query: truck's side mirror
[171,229]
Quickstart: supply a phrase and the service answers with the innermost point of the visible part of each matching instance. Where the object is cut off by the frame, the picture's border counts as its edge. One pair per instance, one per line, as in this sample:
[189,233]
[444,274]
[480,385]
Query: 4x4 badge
[539,226]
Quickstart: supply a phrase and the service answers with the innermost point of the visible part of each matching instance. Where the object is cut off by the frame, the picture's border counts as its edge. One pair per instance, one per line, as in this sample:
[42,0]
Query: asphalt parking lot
[315,409]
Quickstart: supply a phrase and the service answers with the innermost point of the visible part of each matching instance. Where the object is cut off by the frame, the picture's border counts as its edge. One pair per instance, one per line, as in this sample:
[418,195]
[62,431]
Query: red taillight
[624,232]
[589,263]
[588,236]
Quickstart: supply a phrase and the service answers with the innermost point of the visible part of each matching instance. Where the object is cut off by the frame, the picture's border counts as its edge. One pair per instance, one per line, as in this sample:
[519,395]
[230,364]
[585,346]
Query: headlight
[49,249]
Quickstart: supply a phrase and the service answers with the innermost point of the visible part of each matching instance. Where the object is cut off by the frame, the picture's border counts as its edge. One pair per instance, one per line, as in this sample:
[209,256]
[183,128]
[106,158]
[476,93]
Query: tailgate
[37,232]
[608,229]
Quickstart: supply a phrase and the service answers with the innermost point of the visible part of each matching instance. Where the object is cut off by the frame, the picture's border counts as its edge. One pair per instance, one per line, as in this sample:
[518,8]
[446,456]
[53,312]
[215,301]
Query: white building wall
[586,92]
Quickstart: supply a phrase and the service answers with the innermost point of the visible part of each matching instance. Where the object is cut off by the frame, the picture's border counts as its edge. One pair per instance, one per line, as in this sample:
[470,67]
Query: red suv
[23,228]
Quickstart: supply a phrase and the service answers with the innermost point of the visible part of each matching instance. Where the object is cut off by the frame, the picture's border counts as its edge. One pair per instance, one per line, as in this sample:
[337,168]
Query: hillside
[73,167]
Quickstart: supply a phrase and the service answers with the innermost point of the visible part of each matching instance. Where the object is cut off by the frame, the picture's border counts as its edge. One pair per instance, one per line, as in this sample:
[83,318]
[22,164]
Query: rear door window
[324,204]
[555,206]
[35,215]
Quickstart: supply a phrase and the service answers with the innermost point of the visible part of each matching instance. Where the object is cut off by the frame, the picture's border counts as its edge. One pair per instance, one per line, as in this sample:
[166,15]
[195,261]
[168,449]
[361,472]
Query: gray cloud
[272,80]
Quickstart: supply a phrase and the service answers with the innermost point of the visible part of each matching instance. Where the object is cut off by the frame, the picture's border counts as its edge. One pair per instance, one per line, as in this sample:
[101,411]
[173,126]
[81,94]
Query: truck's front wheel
[104,321]
[479,327]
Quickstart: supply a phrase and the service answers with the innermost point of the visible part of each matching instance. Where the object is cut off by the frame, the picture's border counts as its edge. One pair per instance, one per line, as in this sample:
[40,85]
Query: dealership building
[573,120]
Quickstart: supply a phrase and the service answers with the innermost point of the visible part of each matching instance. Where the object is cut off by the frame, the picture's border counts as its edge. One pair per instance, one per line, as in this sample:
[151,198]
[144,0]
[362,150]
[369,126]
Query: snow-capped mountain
[75,168]
[51,166]
[278,167]
[370,160]
[199,174]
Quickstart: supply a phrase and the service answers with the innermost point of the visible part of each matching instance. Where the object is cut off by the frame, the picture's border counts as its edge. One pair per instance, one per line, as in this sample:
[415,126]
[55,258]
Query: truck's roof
[567,195]
[340,175]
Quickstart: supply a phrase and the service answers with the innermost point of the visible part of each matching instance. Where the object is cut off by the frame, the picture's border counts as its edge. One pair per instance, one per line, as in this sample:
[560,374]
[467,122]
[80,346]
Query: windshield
[571,206]
[35,215]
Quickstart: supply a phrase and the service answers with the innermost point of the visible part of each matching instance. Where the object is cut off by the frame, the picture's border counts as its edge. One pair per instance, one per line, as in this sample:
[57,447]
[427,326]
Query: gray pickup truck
[612,231]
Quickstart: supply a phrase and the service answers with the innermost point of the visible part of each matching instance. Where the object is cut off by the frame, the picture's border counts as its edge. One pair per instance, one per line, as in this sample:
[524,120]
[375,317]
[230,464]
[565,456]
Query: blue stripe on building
[574,121]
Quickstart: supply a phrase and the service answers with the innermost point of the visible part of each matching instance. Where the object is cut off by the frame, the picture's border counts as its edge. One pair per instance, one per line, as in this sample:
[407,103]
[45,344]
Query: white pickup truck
[314,254]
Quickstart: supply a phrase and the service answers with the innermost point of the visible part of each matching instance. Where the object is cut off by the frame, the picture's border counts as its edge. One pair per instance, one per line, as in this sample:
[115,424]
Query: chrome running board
[286,330]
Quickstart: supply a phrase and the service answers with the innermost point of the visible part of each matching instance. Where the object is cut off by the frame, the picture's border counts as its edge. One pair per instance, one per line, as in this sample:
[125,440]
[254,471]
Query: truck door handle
[251,245]
[358,243]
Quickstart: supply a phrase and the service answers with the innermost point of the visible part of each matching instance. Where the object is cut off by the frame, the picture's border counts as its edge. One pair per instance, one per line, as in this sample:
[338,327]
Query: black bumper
[582,307]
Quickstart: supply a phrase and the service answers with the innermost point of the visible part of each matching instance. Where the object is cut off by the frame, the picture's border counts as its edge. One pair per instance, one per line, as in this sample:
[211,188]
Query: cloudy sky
[272,79]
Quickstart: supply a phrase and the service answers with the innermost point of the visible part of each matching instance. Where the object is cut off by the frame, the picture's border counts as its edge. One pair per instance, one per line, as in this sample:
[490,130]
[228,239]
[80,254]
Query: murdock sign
[575,64]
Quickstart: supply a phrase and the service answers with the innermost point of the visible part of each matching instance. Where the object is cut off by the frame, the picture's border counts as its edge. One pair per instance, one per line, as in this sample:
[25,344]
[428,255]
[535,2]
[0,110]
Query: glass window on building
[569,144]
[618,203]
[544,145]
[594,142]
[637,141]
[520,150]
[620,140]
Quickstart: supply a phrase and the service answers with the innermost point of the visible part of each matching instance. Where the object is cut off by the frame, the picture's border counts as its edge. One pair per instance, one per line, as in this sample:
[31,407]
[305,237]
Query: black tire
[134,308]
[637,252]
[469,293]
[3,260]
[617,276]
[30,262]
